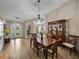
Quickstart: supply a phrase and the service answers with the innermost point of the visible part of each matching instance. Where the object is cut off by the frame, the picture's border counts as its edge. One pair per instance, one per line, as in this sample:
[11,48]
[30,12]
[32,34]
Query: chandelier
[2,20]
[38,19]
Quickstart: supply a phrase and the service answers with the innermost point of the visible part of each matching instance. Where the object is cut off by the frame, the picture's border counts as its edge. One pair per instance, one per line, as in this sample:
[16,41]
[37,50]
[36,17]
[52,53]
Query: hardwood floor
[4,54]
[20,49]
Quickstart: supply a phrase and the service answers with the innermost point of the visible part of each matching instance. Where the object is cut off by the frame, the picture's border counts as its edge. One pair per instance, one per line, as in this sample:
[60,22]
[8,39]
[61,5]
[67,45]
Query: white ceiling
[25,9]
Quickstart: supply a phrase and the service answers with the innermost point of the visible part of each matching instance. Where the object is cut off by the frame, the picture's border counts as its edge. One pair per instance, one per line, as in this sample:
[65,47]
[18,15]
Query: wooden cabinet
[58,29]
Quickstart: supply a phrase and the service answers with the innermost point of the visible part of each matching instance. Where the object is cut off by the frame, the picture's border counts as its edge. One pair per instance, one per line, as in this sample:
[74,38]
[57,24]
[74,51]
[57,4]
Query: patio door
[16,30]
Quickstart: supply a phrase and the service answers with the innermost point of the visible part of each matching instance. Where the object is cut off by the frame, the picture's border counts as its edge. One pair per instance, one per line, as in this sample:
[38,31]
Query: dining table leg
[46,57]
[30,43]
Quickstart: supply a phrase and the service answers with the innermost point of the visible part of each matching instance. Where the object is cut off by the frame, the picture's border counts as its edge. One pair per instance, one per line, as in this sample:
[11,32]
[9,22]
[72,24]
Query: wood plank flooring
[20,49]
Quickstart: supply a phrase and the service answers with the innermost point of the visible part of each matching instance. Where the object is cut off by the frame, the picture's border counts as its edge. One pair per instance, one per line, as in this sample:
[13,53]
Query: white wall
[78,17]
[69,10]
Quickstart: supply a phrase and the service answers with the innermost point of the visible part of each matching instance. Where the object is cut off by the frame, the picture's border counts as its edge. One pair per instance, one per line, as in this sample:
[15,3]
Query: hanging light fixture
[2,20]
[38,19]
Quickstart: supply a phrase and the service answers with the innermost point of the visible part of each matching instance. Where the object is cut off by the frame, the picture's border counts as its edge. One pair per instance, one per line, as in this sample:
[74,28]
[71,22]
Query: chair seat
[50,50]
[68,45]
[53,50]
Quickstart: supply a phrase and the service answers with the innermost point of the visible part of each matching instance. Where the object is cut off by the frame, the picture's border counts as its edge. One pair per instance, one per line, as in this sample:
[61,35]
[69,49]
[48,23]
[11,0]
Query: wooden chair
[53,50]
[32,36]
[71,43]
[36,45]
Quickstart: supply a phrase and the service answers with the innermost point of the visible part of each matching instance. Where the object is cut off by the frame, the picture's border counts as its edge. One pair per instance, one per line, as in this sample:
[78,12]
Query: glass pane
[54,27]
[59,27]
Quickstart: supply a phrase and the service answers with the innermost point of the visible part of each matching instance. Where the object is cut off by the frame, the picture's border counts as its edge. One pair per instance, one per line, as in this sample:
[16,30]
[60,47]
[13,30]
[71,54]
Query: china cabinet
[57,29]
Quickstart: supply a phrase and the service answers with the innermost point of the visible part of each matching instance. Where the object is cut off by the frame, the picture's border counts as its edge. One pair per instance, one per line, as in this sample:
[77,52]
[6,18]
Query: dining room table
[46,43]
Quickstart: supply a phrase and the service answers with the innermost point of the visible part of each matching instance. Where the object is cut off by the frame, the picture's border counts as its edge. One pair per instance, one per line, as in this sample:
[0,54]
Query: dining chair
[32,36]
[36,46]
[53,50]
[70,43]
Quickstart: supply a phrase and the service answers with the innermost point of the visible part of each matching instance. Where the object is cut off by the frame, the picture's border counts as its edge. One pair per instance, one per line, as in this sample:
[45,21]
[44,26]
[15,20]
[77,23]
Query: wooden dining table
[46,43]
